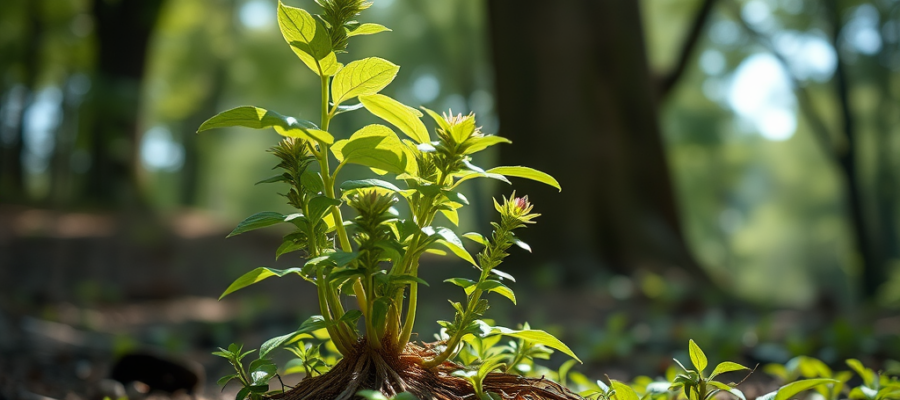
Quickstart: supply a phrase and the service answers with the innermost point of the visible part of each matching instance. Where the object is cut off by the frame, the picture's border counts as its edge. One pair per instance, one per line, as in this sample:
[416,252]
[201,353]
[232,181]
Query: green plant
[809,367]
[375,255]
[698,386]
[876,386]
[256,382]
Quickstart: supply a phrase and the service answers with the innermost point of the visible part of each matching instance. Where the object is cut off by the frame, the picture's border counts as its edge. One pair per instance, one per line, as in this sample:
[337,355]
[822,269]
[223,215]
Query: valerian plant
[374,256]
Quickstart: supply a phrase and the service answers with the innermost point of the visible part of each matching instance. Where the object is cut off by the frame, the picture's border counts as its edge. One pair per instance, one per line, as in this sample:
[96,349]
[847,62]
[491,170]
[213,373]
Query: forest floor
[78,291]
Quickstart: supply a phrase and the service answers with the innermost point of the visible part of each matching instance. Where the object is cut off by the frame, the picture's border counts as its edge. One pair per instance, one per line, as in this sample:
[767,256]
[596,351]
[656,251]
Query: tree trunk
[575,96]
[12,174]
[123,33]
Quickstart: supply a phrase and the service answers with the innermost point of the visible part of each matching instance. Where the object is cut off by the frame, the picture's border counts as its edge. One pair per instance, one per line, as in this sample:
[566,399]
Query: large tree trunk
[123,33]
[575,96]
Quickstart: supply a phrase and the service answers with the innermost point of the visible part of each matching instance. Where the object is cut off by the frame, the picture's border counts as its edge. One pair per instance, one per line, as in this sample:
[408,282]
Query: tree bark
[123,33]
[576,97]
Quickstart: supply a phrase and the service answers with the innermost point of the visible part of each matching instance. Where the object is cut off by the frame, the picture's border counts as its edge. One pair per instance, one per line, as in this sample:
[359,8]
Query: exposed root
[366,368]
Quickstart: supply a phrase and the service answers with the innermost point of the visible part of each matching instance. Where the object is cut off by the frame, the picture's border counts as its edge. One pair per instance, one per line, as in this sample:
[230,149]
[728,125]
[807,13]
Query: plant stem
[454,340]
[334,333]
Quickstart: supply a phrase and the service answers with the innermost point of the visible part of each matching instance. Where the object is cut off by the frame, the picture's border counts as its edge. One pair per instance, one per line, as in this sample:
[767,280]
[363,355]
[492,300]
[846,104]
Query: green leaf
[312,324]
[277,178]
[408,279]
[792,389]
[481,143]
[477,238]
[449,240]
[260,118]
[225,379]
[375,146]
[452,216]
[697,356]
[398,114]
[734,391]
[466,175]
[362,77]
[564,371]
[261,370]
[439,120]
[623,391]
[257,221]
[371,395]
[257,275]
[726,366]
[527,173]
[288,246]
[321,205]
[497,287]
[337,259]
[405,396]
[242,394]
[368,183]
[312,181]
[535,336]
[308,39]
[866,374]
[367,29]
[461,282]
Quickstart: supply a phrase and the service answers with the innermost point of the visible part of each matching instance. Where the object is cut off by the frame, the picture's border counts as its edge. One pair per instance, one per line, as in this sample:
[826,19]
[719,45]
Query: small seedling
[696,385]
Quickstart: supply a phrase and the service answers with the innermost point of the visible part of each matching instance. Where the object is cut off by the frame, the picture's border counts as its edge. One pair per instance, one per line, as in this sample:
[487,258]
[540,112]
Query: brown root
[366,368]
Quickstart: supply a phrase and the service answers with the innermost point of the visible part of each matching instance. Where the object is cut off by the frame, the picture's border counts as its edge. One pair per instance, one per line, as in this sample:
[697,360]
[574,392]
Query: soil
[384,371]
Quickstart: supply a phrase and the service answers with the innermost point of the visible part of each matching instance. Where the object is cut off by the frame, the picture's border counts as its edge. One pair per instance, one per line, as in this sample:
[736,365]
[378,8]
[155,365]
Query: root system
[384,371]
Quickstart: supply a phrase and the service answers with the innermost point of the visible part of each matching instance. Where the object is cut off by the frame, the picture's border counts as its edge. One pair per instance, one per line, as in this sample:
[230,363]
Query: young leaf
[314,323]
[866,374]
[336,258]
[440,121]
[535,336]
[321,205]
[792,389]
[260,118]
[623,391]
[697,356]
[225,379]
[484,142]
[243,393]
[367,29]
[726,366]
[288,246]
[308,39]
[368,183]
[527,173]
[497,287]
[396,113]
[449,240]
[734,391]
[362,77]
[476,237]
[462,282]
[564,371]
[261,370]
[274,179]
[257,221]
[257,275]
[452,216]
[375,146]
